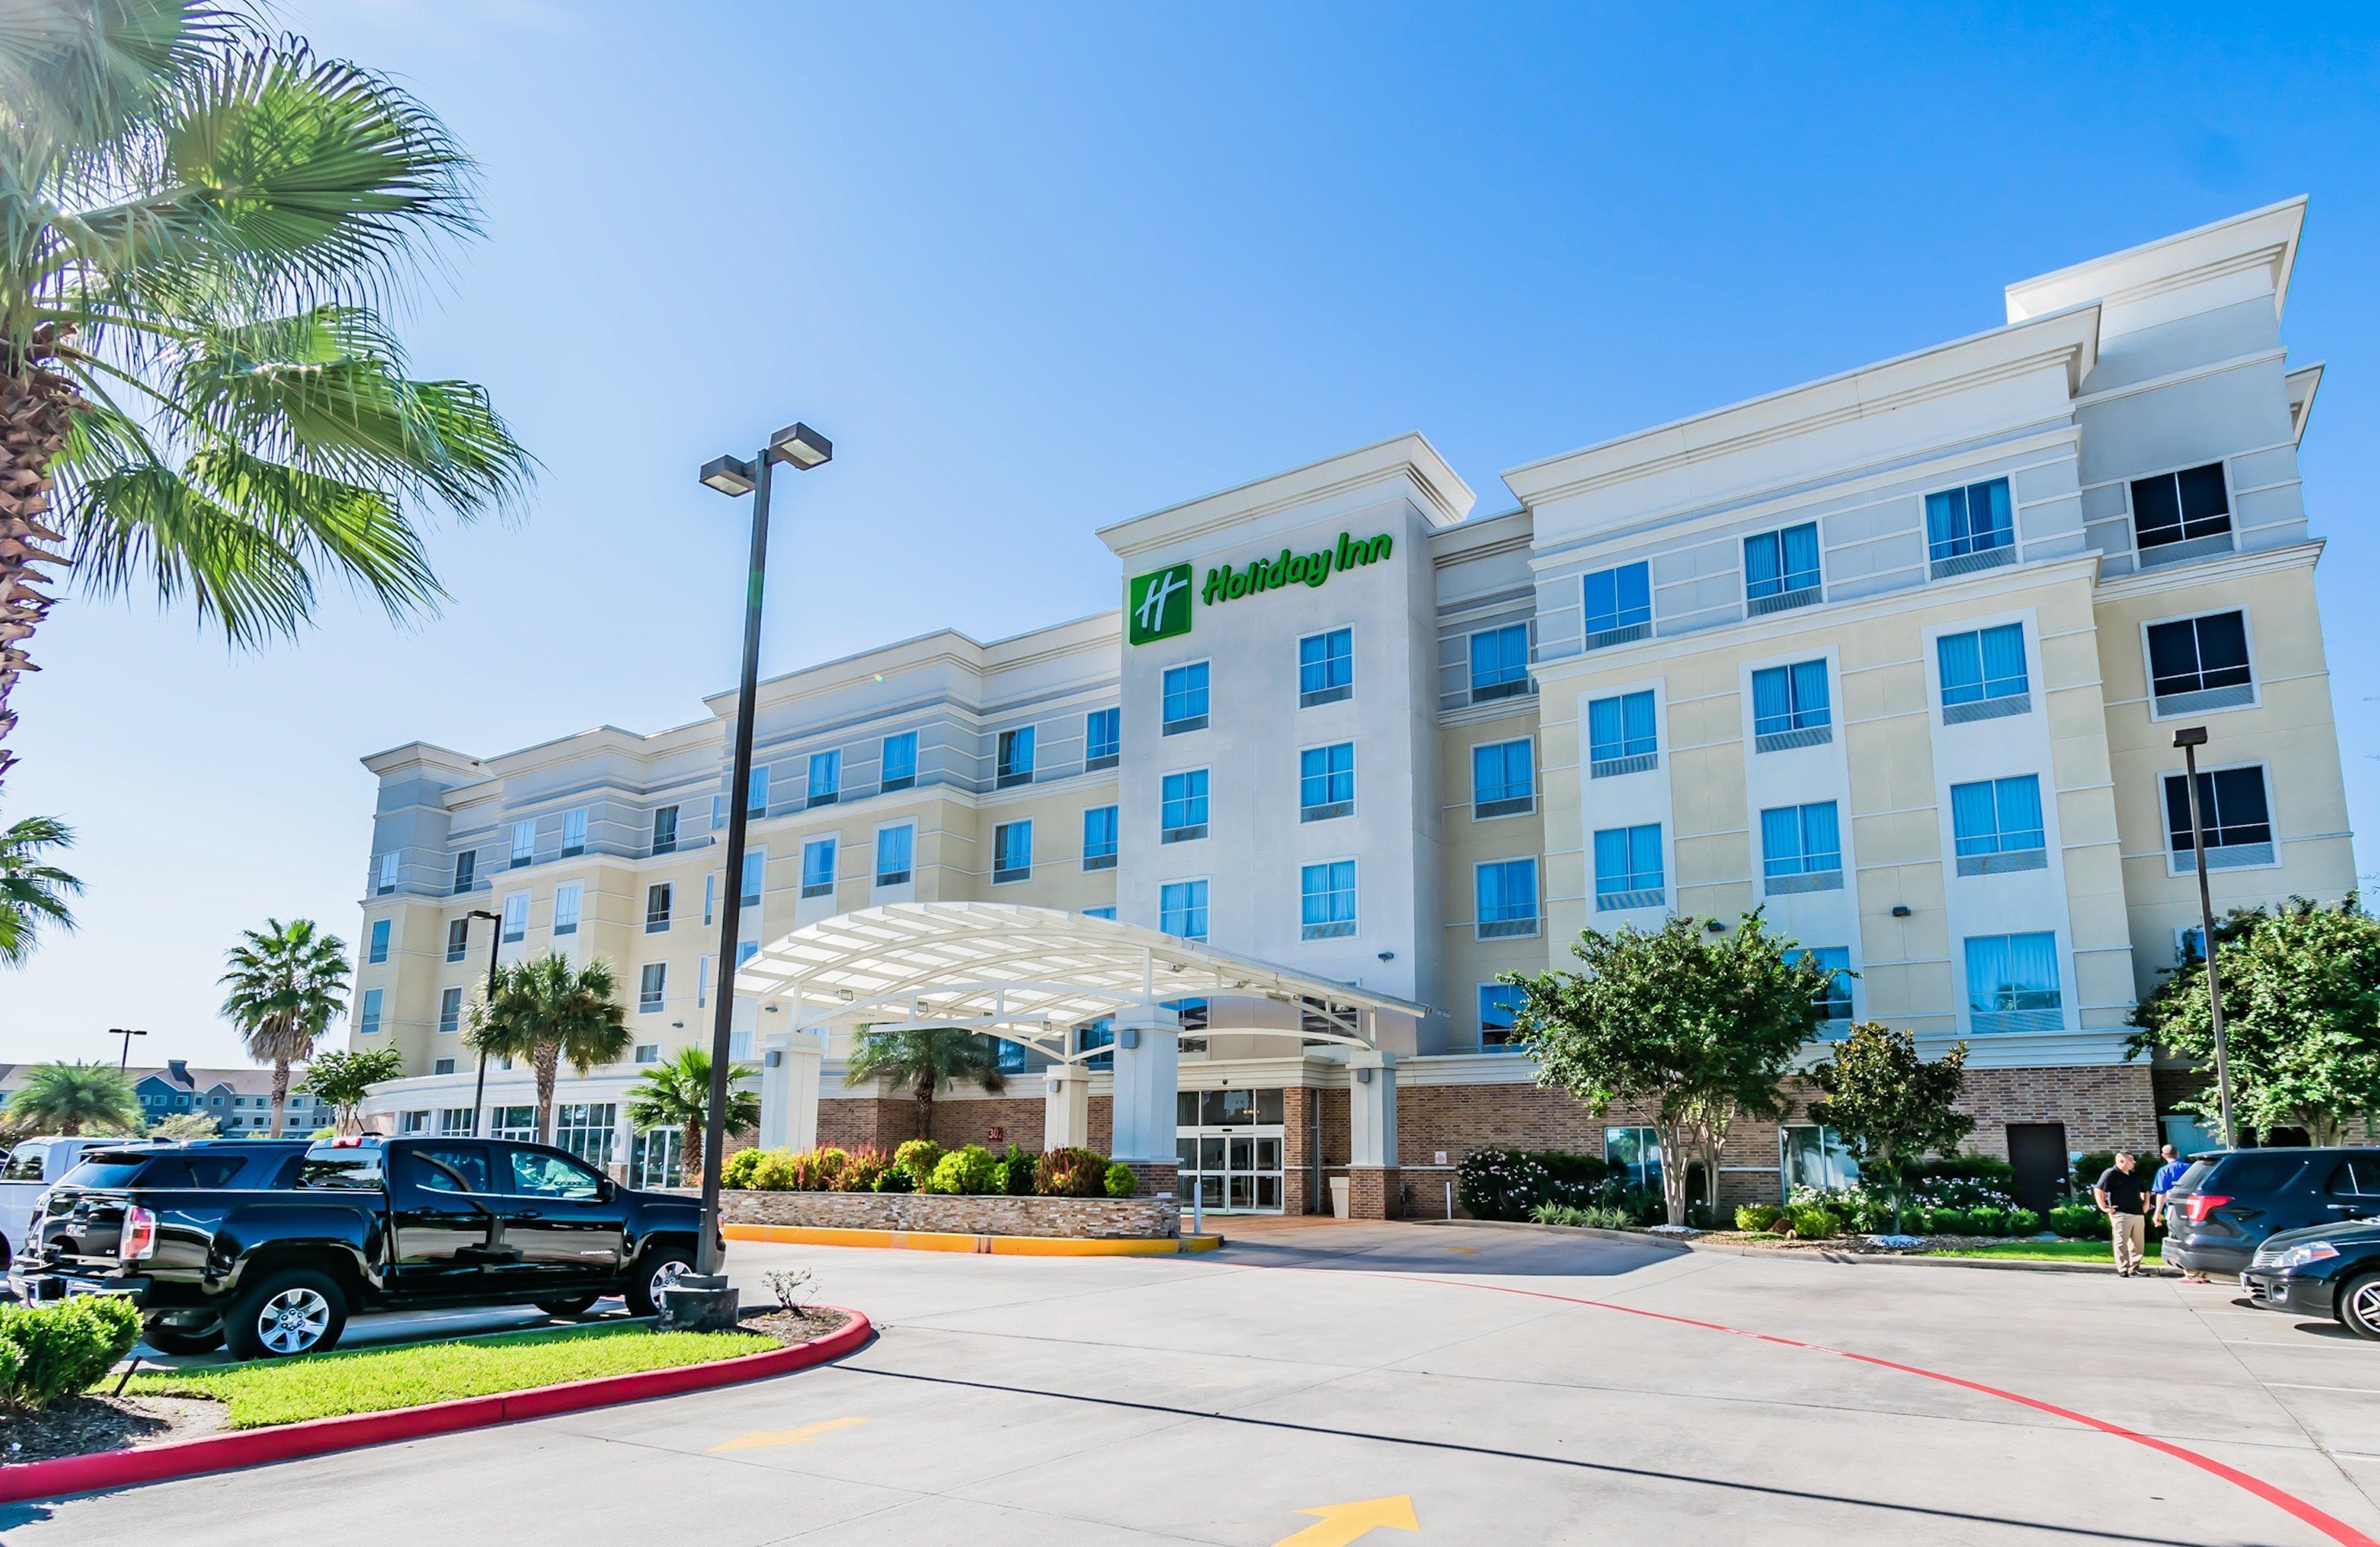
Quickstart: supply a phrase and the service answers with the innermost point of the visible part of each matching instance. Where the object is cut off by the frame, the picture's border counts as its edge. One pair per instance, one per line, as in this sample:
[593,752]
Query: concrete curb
[982,1245]
[288,1442]
[1832,1259]
[1633,1237]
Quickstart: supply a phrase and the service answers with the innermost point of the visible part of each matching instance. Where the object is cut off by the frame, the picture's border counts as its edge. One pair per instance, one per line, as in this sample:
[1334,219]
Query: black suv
[2227,1202]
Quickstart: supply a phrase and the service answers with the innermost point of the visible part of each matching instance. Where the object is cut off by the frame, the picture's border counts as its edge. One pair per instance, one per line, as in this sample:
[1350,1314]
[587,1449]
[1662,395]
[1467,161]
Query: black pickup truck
[267,1247]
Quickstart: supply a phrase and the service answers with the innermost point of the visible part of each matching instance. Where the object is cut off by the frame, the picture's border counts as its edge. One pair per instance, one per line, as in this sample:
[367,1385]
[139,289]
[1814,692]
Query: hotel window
[458,938]
[658,898]
[441,1065]
[2233,806]
[1099,838]
[1780,569]
[1619,605]
[745,950]
[709,895]
[515,925]
[413,1122]
[2178,516]
[1636,1155]
[467,866]
[1327,900]
[1007,1056]
[1506,894]
[1619,735]
[386,881]
[1503,781]
[1096,1033]
[524,843]
[1835,1004]
[1182,909]
[756,865]
[651,984]
[1969,529]
[573,833]
[1107,912]
[718,812]
[379,951]
[818,868]
[701,982]
[826,778]
[1016,763]
[368,1019]
[1326,782]
[565,908]
[1184,691]
[450,1011]
[1811,1156]
[2199,663]
[1182,807]
[1789,707]
[896,854]
[1997,825]
[1983,673]
[1628,868]
[1801,849]
[900,770]
[1500,663]
[1012,851]
[2013,982]
[1500,1008]
[756,794]
[665,829]
[1326,667]
[1102,738]
[648,1052]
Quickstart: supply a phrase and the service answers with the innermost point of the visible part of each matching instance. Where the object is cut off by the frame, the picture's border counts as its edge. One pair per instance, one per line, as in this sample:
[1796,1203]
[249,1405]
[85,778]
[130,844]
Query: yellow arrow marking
[1340,1524]
[762,1438]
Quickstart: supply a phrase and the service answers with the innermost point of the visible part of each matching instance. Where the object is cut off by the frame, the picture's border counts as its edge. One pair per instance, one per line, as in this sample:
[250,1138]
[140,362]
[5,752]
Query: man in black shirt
[2121,1195]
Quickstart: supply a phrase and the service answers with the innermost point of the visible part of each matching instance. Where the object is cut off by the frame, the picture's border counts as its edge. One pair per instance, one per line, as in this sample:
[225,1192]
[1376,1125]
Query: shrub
[967,1171]
[2023,1222]
[896,1179]
[1813,1221]
[1071,1174]
[737,1171]
[1964,1168]
[917,1157]
[1593,1216]
[1757,1216]
[1949,1222]
[1120,1182]
[1020,1173]
[779,1171]
[819,1170]
[2078,1221]
[62,1349]
[1989,1220]
[1509,1184]
[863,1171]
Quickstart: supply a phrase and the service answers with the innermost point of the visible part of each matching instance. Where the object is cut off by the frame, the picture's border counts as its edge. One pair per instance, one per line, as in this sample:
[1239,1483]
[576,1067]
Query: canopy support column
[1374,1186]
[1148,1069]
[1066,1111]
[789,1092]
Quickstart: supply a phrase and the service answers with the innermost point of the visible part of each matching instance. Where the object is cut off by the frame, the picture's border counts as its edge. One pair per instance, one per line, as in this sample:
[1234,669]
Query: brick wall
[2107,1106]
[971,1122]
[866,1122]
[1104,1218]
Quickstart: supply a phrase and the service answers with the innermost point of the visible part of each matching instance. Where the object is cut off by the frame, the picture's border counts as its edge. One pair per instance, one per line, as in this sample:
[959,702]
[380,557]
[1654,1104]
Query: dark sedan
[2327,1271]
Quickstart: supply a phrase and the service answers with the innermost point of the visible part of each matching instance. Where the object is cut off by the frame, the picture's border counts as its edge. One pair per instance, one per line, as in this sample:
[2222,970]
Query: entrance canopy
[1029,975]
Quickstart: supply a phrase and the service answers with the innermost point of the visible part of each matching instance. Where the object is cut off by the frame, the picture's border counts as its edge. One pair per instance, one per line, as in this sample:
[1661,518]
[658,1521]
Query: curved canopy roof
[1024,974]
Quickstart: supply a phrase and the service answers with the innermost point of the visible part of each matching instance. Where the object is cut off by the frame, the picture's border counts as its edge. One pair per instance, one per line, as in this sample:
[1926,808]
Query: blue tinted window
[1619,597]
[1986,663]
[1777,562]
[1789,698]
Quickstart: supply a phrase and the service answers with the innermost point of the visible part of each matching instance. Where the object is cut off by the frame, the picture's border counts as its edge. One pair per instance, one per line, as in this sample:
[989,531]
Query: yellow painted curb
[992,1246]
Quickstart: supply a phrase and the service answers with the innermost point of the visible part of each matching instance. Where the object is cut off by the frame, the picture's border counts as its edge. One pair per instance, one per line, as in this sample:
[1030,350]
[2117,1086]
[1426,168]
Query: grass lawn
[267,1392]
[2043,1251]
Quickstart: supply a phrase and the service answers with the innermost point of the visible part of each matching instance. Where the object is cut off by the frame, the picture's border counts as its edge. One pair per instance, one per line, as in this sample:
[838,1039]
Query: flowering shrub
[1509,1184]
[1071,1174]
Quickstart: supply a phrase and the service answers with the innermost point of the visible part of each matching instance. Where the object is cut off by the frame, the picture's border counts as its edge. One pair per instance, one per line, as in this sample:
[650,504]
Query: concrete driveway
[1324,1386]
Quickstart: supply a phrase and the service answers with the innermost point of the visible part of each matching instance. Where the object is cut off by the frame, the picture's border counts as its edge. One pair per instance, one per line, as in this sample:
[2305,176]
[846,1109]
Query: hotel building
[1897,655]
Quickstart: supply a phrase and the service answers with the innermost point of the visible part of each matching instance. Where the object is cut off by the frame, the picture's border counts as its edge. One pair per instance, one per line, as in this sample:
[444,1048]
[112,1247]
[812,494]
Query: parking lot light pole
[124,1059]
[2189,738]
[495,943]
[803,448]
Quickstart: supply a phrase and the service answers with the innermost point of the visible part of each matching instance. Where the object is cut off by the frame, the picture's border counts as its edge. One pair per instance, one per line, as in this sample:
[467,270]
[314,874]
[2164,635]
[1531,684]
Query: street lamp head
[484,913]
[729,475]
[2190,735]
[802,446]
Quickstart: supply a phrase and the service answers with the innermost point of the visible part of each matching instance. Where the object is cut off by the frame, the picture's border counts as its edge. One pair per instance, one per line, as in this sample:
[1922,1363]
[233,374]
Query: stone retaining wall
[1098,1218]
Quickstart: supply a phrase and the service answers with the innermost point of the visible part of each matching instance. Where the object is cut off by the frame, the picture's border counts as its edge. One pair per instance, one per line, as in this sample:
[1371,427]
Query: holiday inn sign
[1156,605]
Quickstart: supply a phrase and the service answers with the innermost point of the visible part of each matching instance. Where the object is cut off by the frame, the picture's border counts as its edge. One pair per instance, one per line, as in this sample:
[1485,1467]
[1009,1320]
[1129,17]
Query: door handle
[529,1214]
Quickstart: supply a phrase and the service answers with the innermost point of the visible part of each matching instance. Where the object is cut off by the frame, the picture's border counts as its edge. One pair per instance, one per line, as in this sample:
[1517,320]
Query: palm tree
[32,892]
[925,1056]
[677,1094]
[287,982]
[547,1010]
[76,1098]
[201,224]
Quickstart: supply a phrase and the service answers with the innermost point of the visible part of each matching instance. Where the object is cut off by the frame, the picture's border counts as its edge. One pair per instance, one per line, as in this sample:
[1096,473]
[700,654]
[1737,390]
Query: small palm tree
[677,1094]
[547,1010]
[75,1098]
[33,892]
[287,982]
[925,1056]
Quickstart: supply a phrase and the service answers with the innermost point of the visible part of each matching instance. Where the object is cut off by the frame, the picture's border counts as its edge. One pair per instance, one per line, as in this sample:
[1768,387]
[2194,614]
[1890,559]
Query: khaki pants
[2131,1233]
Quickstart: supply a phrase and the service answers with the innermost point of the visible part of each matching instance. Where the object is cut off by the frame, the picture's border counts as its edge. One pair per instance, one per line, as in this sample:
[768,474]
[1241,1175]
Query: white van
[31,1167]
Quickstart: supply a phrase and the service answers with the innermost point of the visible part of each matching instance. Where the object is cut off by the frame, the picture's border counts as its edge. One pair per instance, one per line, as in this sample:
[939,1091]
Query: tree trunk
[548,1056]
[926,1105]
[280,1093]
[689,1152]
[36,409]
[1672,1138]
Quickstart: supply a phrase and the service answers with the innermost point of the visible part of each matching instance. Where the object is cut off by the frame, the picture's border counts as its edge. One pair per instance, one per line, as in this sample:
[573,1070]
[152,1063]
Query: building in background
[1896,655]
[239,1100]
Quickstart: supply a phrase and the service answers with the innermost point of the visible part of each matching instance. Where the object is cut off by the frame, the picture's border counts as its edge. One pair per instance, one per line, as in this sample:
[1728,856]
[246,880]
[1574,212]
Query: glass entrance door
[1230,1146]
[659,1160]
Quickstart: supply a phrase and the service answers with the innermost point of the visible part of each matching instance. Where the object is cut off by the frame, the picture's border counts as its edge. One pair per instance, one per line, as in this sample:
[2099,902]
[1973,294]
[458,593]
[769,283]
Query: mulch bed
[792,1326]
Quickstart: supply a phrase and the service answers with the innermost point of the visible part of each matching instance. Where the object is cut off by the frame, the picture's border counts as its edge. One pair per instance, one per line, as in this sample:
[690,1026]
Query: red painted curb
[287,1441]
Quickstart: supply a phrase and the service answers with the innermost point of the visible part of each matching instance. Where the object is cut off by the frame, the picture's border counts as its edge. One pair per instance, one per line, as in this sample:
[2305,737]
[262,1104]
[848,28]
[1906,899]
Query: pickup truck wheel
[569,1310]
[296,1311]
[652,1273]
[189,1338]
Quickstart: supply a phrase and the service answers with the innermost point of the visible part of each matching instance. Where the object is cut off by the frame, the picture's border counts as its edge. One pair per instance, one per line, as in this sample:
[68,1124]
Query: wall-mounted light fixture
[1901,910]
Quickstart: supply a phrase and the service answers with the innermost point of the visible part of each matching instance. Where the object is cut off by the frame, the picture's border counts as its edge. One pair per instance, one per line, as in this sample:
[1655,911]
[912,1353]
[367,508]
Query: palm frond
[33,893]
[75,77]
[144,525]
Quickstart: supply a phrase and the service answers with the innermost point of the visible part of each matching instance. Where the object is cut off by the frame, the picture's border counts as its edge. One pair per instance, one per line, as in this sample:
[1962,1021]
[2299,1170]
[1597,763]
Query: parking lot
[1329,1384]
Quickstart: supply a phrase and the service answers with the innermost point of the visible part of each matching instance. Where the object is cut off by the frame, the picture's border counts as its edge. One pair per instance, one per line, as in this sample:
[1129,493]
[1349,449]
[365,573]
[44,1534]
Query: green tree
[1698,1026]
[201,228]
[32,892]
[545,1010]
[344,1079]
[676,1093]
[2300,1019]
[75,1099]
[287,982]
[1890,1105]
[183,1127]
[923,1057]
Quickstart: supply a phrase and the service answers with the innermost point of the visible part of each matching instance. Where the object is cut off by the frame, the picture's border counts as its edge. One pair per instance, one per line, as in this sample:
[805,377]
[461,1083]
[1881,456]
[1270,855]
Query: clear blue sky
[1037,269]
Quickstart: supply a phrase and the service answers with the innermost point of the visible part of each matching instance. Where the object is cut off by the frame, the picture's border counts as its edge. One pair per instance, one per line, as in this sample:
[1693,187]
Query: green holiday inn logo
[1157,604]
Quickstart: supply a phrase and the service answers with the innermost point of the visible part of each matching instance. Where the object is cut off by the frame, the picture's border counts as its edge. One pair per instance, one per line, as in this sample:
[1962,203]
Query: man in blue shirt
[2167,1175]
